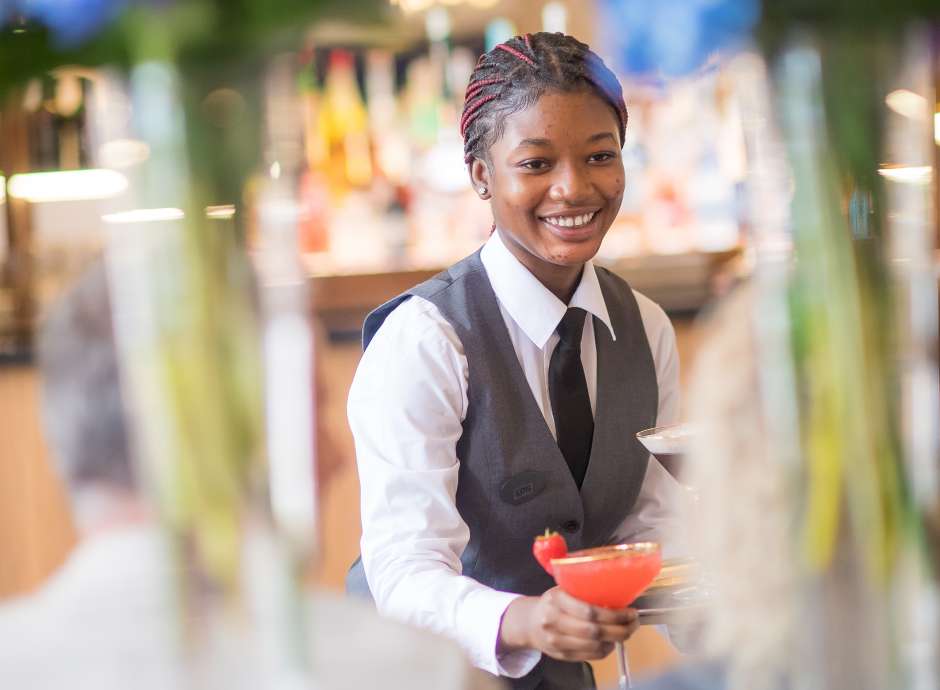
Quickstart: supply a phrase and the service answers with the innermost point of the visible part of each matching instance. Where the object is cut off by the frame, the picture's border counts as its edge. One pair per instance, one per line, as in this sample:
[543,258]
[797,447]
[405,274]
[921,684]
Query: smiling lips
[578,221]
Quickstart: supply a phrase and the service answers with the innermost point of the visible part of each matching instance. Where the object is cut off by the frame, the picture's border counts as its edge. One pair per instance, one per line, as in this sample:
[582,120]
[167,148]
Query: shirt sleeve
[406,407]
[657,514]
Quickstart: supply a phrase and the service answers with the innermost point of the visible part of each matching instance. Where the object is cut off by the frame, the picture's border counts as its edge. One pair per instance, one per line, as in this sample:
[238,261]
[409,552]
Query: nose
[571,184]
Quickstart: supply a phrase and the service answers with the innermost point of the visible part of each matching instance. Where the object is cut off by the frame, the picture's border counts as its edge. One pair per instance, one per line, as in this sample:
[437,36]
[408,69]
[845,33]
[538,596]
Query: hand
[563,627]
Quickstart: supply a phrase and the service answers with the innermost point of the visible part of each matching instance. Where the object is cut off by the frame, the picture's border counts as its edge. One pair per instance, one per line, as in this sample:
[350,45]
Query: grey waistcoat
[513,481]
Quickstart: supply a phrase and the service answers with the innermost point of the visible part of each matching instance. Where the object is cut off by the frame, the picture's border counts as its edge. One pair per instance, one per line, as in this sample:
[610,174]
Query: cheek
[612,185]
[617,191]
[520,194]
[611,182]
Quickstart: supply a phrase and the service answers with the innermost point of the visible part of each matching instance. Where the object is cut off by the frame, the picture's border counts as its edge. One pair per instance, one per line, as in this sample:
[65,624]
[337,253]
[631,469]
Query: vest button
[571,526]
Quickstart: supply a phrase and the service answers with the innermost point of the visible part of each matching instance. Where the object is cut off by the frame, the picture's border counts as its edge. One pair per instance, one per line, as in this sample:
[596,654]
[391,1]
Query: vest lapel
[626,403]
[497,327]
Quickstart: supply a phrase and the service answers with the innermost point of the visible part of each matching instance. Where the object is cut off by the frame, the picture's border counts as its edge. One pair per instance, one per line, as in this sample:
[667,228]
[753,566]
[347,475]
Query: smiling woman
[499,381]
[555,181]
[543,125]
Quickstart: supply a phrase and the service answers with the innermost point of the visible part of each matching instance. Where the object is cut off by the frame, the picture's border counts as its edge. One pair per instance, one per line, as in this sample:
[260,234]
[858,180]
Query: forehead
[561,117]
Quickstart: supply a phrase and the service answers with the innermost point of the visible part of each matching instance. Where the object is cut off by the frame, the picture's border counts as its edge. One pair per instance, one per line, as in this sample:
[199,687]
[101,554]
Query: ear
[481,179]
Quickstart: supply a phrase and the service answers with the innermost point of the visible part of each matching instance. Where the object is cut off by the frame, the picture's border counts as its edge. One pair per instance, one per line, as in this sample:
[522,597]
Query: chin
[574,253]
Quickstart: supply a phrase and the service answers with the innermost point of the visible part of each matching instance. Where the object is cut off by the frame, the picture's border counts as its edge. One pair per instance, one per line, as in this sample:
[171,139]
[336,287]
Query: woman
[487,406]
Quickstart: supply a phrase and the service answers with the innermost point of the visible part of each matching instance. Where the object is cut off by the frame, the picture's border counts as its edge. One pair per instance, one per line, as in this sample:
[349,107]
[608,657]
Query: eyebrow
[545,142]
[533,142]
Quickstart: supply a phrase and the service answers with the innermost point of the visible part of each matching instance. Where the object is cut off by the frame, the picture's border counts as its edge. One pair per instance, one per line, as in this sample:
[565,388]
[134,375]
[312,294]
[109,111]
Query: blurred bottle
[313,188]
[423,93]
[390,191]
[316,146]
[346,125]
[313,223]
[389,138]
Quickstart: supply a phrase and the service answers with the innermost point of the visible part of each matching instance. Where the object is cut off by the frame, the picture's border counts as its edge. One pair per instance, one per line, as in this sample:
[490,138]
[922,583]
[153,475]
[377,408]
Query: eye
[602,157]
[535,164]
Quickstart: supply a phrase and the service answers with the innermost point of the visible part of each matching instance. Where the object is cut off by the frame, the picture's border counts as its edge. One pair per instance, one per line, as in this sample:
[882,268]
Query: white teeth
[571,221]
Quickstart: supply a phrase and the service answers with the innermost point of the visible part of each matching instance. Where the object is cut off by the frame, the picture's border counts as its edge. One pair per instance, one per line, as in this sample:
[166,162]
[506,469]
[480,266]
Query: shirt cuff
[517,664]
[482,627]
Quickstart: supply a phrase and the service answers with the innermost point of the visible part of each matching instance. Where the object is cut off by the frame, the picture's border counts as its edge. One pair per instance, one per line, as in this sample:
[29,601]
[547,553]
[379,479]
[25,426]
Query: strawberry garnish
[548,546]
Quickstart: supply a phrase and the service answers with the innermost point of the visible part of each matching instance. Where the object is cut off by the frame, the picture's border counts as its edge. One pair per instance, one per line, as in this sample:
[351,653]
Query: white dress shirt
[406,407]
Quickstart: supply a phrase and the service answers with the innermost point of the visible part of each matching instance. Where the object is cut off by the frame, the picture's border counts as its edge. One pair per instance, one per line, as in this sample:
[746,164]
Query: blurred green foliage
[848,14]
[194,33]
[843,300]
[206,394]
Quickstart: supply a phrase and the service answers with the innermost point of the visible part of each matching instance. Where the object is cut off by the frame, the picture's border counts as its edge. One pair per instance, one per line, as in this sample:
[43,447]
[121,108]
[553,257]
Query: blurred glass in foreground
[817,469]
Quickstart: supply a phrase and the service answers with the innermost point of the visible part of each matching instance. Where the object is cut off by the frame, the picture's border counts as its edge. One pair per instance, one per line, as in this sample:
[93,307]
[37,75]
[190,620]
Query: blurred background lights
[68,94]
[220,212]
[413,5]
[410,6]
[555,17]
[910,174]
[67,185]
[908,104]
[395,159]
[437,24]
[143,215]
[32,96]
[499,31]
[123,153]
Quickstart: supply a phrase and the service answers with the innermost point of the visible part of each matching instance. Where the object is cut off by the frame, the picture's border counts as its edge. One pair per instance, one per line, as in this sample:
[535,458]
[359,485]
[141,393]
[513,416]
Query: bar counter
[680,283]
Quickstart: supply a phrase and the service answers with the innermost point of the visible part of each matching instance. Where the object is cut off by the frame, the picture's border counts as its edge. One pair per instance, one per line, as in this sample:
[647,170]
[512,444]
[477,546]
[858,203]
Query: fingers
[567,648]
[572,630]
[577,627]
[634,625]
[595,614]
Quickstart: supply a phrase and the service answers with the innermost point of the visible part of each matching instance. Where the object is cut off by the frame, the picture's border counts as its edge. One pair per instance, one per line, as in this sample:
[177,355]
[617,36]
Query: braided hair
[515,74]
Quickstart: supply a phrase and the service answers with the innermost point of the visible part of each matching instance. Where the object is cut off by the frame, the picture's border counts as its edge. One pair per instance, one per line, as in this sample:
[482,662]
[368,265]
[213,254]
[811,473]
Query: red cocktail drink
[610,576]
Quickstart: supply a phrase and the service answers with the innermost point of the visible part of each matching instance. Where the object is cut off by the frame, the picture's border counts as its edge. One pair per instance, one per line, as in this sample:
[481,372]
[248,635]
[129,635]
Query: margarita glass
[609,576]
[670,445]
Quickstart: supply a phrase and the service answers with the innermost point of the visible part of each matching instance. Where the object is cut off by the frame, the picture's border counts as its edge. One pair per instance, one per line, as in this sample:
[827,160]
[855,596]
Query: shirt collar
[532,305]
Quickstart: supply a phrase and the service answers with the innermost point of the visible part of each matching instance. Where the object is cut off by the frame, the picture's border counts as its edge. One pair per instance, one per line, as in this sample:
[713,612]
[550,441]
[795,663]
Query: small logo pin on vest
[523,487]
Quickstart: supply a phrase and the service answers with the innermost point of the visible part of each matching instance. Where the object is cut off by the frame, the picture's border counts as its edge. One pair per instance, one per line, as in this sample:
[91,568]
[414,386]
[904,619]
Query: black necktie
[567,388]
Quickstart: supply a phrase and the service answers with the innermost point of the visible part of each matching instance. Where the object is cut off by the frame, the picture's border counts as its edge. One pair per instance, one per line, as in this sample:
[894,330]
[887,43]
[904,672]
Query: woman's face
[555,181]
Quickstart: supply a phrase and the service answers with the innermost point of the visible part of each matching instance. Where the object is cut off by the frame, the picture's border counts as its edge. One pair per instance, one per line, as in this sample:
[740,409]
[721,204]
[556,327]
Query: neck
[561,280]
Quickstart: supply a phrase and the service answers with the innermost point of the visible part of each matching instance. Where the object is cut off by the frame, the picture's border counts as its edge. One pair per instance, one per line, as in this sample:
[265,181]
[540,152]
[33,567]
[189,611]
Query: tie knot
[570,327]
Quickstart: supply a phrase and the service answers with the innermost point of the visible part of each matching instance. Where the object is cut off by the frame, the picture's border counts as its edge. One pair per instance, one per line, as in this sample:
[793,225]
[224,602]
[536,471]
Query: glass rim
[603,553]
[659,429]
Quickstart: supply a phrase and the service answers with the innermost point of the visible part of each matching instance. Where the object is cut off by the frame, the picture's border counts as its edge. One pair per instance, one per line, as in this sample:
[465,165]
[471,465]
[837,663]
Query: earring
[483,189]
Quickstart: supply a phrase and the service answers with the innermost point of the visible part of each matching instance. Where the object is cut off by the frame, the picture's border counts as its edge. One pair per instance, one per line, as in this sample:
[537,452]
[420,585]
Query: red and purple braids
[515,74]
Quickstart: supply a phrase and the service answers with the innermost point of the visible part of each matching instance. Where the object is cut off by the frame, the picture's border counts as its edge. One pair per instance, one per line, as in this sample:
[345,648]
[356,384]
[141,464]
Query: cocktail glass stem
[625,681]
